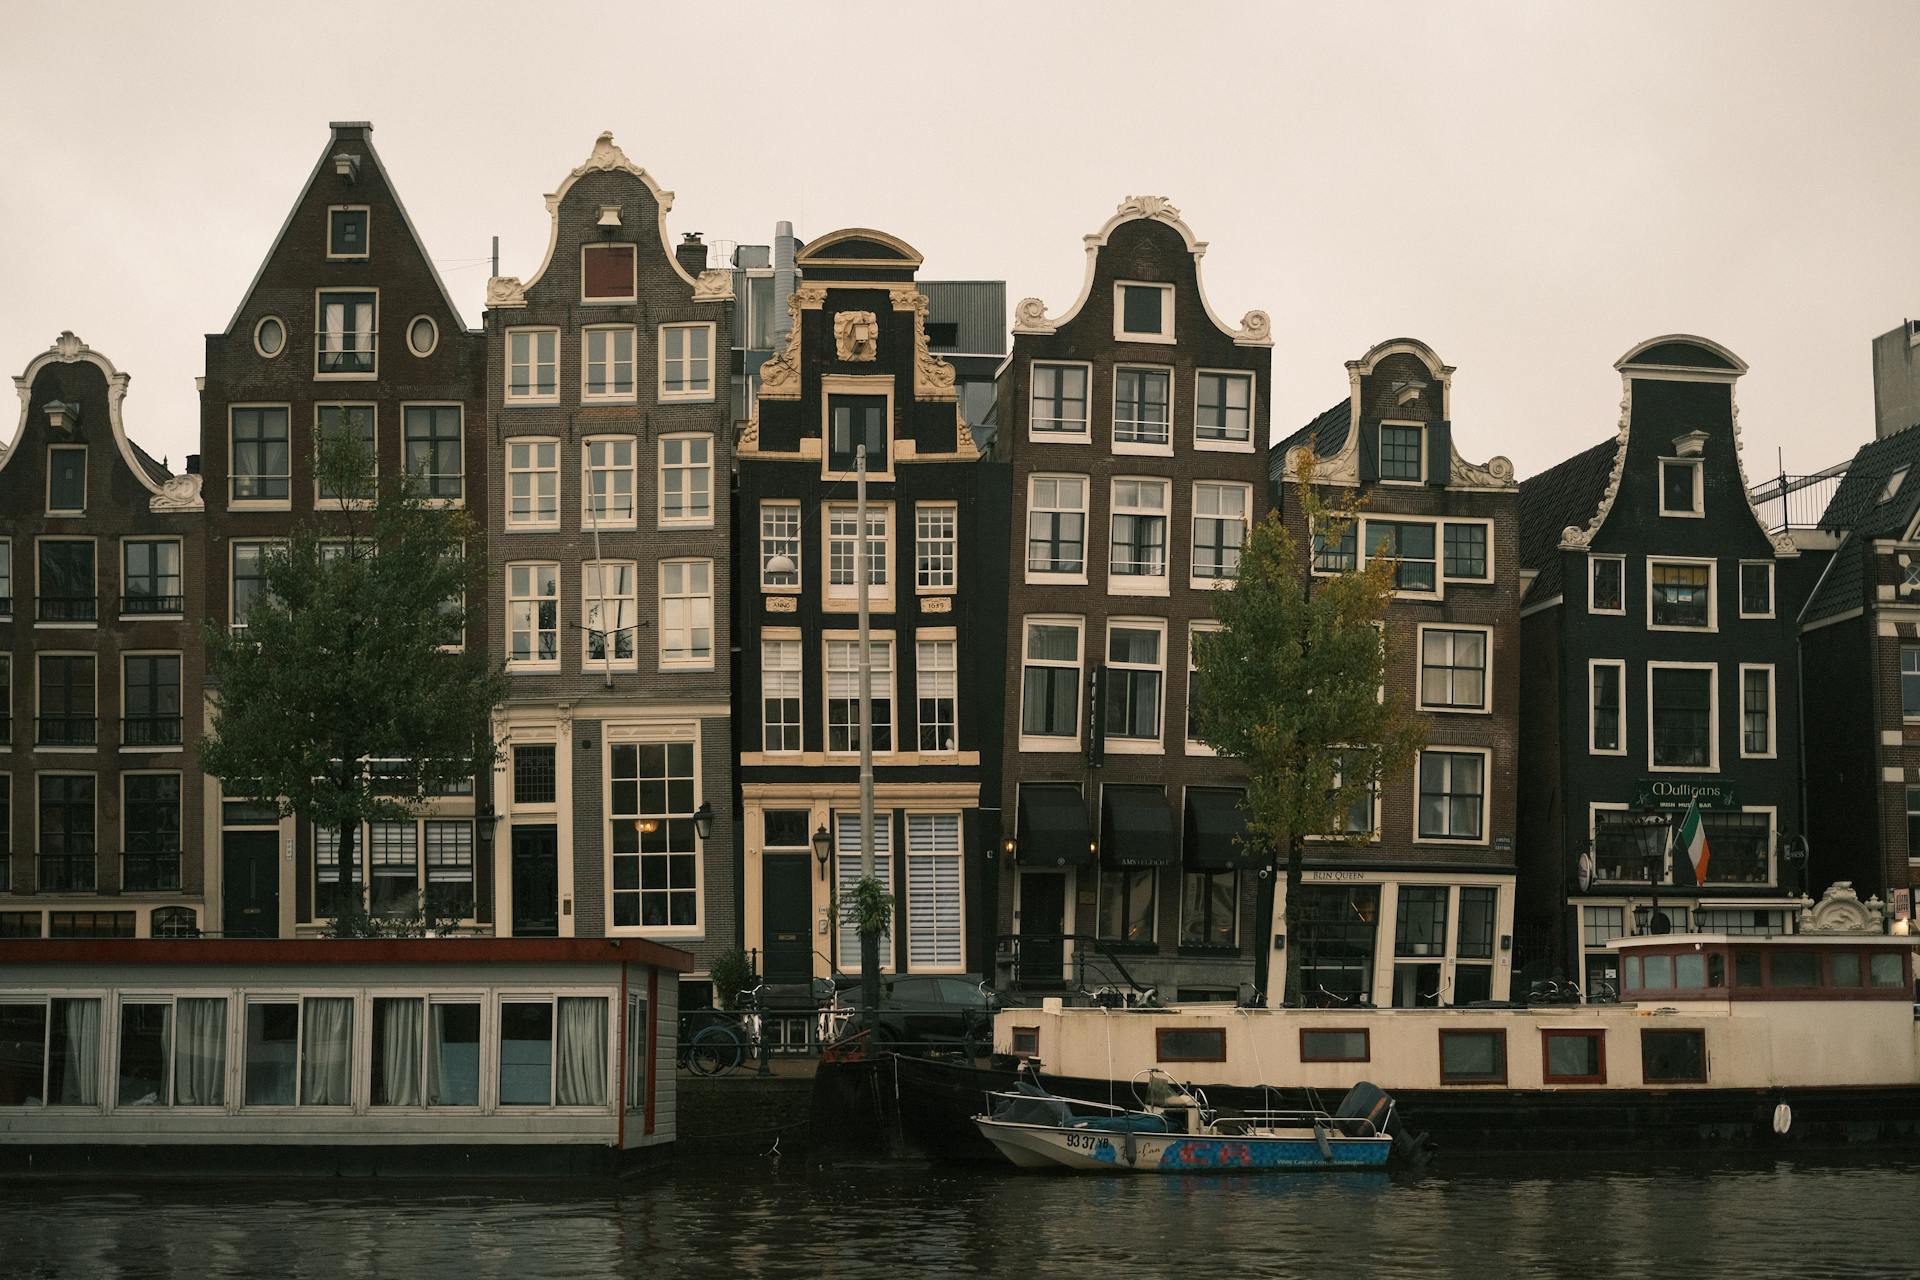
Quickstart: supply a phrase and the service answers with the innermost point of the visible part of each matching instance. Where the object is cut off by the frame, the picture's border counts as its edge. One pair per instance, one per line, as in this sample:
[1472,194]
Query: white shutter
[934,894]
[847,852]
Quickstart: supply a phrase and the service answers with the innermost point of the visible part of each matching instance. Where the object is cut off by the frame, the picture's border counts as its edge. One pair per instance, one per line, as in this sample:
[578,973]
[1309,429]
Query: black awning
[1136,828]
[1053,830]
[1217,831]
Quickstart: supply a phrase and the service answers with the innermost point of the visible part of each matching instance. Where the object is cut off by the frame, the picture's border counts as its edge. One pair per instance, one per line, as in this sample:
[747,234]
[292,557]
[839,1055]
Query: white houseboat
[419,1056]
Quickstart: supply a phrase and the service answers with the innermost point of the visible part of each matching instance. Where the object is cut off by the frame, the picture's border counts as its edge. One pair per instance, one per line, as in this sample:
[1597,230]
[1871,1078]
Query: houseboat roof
[1653,940]
[326,951]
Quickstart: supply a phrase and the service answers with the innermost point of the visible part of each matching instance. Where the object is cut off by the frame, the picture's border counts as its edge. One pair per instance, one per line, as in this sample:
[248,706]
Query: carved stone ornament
[1841,911]
[936,604]
[1256,330]
[856,335]
[1030,316]
[68,347]
[606,154]
[506,291]
[810,297]
[1574,538]
[713,286]
[178,493]
[749,441]
[780,375]
[783,604]
[1149,207]
[1497,474]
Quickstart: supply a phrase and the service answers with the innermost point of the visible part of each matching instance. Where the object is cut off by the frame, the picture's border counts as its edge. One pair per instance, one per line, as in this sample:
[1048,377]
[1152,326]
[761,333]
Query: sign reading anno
[1678,793]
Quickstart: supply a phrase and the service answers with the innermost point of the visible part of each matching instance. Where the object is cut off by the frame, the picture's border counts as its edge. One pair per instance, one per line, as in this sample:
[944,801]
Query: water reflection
[1564,1217]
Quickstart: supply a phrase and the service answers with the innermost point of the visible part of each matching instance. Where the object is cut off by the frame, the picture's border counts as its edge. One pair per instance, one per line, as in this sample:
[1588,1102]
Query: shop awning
[1136,828]
[1053,830]
[1217,831]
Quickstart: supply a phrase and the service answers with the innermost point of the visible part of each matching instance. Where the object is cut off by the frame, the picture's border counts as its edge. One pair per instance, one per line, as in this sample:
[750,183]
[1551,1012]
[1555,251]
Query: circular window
[423,335]
[270,336]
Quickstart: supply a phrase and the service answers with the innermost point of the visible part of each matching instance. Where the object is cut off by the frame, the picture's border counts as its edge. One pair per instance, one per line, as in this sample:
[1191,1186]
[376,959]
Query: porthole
[270,336]
[423,335]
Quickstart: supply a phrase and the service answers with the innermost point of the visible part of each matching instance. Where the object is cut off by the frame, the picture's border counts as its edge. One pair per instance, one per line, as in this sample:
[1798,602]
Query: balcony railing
[345,351]
[150,872]
[65,873]
[67,731]
[136,605]
[68,608]
[6,606]
[150,731]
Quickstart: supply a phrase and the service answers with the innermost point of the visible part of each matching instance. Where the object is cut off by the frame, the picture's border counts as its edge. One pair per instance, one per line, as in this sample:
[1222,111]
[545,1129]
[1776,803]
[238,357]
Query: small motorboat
[1172,1130]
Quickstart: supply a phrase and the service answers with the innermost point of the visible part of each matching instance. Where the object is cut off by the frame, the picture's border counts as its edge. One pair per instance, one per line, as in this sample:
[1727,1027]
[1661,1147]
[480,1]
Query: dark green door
[536,882]
[1043,916]
[250,884]
[786,916]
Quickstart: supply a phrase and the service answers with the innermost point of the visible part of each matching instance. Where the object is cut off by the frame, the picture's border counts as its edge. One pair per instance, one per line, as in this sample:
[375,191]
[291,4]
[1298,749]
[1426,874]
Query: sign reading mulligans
[1678,793]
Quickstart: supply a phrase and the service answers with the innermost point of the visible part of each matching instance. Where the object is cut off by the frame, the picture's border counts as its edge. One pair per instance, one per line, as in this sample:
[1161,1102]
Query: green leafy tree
[353,654]
[1292,684]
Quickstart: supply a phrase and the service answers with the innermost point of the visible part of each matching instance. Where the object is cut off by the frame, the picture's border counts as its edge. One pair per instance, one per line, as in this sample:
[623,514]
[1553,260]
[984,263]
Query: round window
[423,335]
[269,336]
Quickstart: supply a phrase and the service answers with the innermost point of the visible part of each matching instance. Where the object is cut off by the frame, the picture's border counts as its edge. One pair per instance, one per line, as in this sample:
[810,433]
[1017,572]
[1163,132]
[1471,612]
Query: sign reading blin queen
[1678,793]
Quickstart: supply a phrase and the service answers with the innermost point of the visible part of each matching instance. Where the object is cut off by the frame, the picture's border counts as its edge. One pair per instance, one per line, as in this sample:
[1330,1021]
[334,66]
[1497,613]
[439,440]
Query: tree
[349,696]
[1293,684]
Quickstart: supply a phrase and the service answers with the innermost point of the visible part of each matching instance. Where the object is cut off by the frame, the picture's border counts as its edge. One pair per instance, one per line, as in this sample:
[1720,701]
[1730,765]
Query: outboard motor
[1369,1102]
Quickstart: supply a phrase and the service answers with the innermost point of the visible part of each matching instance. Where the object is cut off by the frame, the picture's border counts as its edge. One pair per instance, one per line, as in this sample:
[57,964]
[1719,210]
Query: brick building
[102,587]
[345,327]
[1136,426]
[1421,912]
[611,446]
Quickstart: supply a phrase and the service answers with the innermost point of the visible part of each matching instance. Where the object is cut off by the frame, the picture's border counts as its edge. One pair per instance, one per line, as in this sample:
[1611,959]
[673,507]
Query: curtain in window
[199,1053]
[79,1062]
[400,1026]
[327,1057]
[583,1052]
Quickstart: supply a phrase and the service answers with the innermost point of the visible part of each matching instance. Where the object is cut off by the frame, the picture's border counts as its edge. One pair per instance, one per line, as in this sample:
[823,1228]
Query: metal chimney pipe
[785,280]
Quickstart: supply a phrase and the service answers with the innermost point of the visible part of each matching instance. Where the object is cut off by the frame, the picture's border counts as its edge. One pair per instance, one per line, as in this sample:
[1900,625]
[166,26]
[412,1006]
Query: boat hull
[1040,1146]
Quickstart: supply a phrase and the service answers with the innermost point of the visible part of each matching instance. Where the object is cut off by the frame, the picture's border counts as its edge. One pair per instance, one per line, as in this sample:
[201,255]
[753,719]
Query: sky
[1530,188]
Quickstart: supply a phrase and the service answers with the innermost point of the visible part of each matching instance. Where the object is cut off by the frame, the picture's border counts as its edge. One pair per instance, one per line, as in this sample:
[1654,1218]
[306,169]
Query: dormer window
[349,325]
[1142,312]
[66,480]
[1400,452]
[1680,487]
[347,232]
[1892,486]
[853,421]
[608,273]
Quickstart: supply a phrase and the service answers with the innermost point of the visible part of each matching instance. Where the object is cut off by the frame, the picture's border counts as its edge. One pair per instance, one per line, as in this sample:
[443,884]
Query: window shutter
[1369,450]
[1439,452]
[847,853]
[933,891]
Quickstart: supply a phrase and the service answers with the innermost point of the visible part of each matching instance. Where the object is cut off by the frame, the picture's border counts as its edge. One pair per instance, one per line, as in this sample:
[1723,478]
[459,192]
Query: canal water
[1804,1217]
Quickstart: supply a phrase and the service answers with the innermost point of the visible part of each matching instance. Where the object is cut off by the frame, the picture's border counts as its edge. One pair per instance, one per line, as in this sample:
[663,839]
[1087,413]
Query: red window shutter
[608,271]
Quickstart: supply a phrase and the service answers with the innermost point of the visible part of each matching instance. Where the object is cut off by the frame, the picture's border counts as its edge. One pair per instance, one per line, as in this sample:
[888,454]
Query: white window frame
[533,630]
[1372,833]
[792,673]
[614,518]
[781,542]
[99,738]
[259,349]
[1713,594]
[1620,728]
[1122,334]
[1420,669]
[843,597]
[690,600]
[688,472]
[534,473]
[460,412]
[1082,436]
[1773,708]
[261,504]
[625,607]
[633,292]
[884,686]
[233,554]
[1593,574]
[947,542]
[120,729]
[433,342]
[845,825]
[701,393]
[1699,468]
[932,642]
[1194,747]
[1140,448]
[1713,717]
[1140,584]
[835,385]
[1363,551]
[1225,581]
[1380,447]
[74,513]
[1228,445]
[366,252]
[1050,742]
[534,395]
[1155,745]
[1741,586]
[320,332]
[1486,793]
[1441,550]
[668,734]
[609,365]
[339,503]
[944,871]
[1085,512]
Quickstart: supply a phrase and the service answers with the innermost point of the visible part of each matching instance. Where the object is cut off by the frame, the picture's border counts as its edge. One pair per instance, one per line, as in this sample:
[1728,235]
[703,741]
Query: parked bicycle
[716,1041]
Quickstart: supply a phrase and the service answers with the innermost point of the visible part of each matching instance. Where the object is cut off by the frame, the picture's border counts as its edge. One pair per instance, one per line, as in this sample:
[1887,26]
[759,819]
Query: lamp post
[869,935]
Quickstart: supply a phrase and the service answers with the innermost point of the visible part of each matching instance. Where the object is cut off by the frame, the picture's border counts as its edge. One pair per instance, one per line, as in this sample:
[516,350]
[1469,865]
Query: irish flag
[1692,841]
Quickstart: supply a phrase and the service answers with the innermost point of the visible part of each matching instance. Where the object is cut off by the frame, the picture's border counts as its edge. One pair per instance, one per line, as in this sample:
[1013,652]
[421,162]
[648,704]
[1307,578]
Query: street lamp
[703,820]
[822,848]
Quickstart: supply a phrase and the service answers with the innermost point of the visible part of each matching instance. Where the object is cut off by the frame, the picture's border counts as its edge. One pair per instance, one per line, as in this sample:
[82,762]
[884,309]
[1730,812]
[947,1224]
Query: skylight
[1893,484]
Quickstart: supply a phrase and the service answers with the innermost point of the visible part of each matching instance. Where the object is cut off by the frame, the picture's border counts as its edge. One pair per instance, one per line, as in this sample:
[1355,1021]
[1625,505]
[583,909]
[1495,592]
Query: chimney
[785,280]
[692,253]
[193,464]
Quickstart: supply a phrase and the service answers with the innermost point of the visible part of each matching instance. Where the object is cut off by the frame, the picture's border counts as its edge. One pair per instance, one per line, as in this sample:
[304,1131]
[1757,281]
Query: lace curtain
[398,1024]
[583,1052]
[200,1053]
[327,1058]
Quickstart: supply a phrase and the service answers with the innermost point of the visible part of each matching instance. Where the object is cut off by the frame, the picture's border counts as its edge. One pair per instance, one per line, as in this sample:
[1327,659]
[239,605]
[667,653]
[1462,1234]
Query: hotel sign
[1678,793]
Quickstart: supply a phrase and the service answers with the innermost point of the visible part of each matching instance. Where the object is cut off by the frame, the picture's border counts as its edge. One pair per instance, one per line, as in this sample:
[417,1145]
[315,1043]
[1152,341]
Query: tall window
[1409,544]
[1682,716]
[1466,551]
[1913,822]
[151,716]
[1607,591]
[1452,791]
[1050,680]
[1194,631]
[348,328]
[1607,729]
[6,711]
[67,591]
[1136,670]
[68,700]
[686,480]
[249,579]
[780,544]
[67,479]
[1910,680]
[935,546]
[780,695]
[843,694]
[1453,669]
[533,484]
[6,575]
[934,928]
[1682,594]
[1756,590]
[1400,452]
[261,462]
[1219,529]
[937,675]
[842,532]
[1126,904]
[1139,546]
[854,421]
[150,576]
[393,863]
[609,501]
[1336,554]
[341,424]
[1358,818]
[1059,400]
[67,840]
[1421,929]
[1223,408]
[533,368]
[533,614]
[608,369]
[686,362]
[1209,908]
[535,776]
[1756,711]
[1057,525]
[847,876]
[686,613]
[656,854]
[433,449]
[1141,406]
[609,591]
[449,850]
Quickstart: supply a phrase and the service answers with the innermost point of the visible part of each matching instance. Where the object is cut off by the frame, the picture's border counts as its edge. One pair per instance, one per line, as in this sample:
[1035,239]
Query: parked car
[923,1009]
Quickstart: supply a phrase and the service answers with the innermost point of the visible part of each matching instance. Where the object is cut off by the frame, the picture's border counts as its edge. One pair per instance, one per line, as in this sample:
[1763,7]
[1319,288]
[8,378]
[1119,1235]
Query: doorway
[250,884]
[536,882]
[786,916]
[1043,916]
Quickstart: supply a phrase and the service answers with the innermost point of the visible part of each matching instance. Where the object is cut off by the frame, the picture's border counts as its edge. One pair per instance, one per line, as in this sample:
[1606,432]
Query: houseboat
[431,1056]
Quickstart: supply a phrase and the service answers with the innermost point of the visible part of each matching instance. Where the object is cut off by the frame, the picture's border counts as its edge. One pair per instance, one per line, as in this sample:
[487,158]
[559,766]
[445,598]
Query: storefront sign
[1333,875]
[1678,793]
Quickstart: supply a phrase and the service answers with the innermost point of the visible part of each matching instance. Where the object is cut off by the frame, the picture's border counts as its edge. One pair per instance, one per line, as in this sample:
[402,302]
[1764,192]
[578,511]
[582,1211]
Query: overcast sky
[1531,188]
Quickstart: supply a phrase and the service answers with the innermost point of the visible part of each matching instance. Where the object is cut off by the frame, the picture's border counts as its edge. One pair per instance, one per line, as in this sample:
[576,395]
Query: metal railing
[67,608]
[65,873]
[66,731]
[1093,957]
[1789,502]
[150,731]
[150,872]
[137,605]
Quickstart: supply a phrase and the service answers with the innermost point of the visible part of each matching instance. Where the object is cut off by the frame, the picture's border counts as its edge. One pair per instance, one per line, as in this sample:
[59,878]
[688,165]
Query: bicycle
[725,1043]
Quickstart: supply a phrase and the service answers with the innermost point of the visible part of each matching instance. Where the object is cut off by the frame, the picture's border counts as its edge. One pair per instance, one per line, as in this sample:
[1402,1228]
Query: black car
[925,1010]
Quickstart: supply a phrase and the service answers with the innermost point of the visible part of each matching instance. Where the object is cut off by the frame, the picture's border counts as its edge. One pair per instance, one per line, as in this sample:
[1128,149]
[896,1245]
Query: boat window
[453,1054]
[273,1037]
[1328,1044]
[1473,1057]
[200,1053]
[1746,968]
[1716,970]
[326,1052]
[1574,1057]
[526,1053]
[1659,973]
[1026,1041]
[582,1058]
[636,1054]
[1795,969]
[1690,971]
[399,1035]
[1887,969]
[23,1054]
[145,1038]
[1673,1057]
[1845,968]
[1190,1044]
[1632,964]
